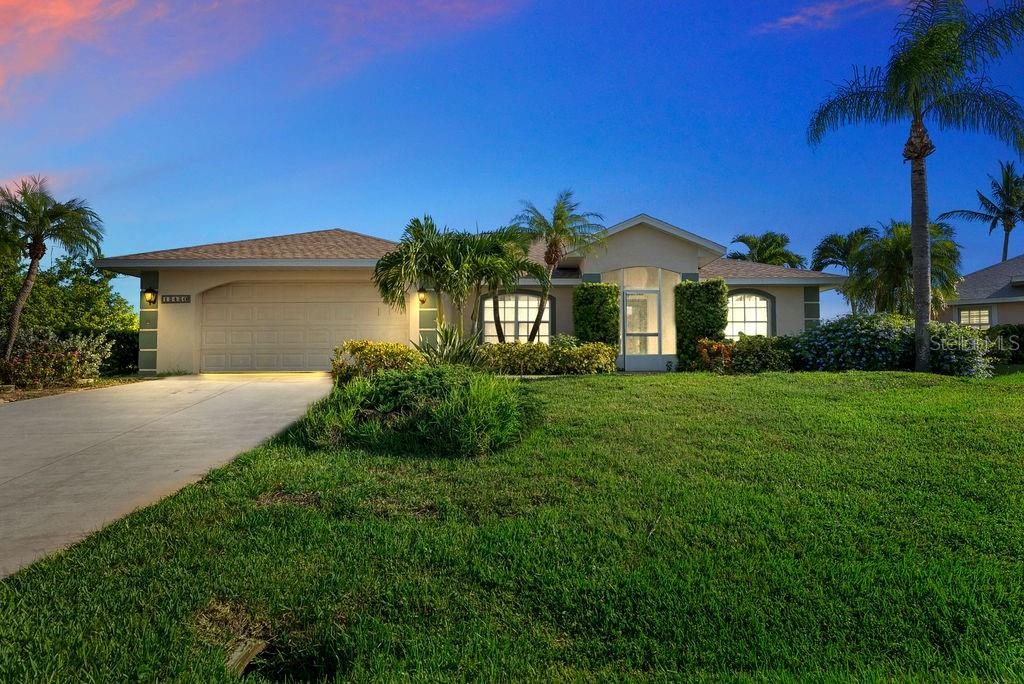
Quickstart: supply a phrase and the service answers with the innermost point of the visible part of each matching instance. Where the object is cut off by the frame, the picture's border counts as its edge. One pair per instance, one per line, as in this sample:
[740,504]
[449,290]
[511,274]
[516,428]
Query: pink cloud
[127,51]
[827,14]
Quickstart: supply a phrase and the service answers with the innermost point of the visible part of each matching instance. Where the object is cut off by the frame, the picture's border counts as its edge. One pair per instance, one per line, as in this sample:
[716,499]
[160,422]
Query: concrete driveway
[71,463]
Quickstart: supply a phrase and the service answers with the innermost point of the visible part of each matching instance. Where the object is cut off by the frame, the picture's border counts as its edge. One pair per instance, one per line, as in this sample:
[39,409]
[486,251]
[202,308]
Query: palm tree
[935,73]
[1005,208]
[30,217]
[500,261]
[567,230]
[767,248]
[417,262]
[881,271]
[840,251]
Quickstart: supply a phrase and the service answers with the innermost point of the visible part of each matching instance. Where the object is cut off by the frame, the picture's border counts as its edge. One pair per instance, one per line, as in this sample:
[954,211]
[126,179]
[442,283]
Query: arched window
[517,313]
[750,313]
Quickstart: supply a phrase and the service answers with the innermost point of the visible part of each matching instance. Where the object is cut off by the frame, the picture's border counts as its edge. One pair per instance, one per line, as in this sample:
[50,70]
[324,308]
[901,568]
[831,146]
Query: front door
[641,330]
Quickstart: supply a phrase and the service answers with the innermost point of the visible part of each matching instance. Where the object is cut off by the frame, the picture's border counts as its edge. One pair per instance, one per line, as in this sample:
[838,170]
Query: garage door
[291,326]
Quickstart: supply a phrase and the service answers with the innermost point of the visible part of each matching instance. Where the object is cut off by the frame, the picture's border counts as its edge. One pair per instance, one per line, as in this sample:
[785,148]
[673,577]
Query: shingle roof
[993,282]
[738,268]
[319,244]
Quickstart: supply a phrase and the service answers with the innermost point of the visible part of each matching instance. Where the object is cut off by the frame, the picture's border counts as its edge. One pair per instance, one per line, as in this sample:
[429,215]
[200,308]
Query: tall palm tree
[881,271]
[1004,209]
[567,230]
[767,248]
[30,218]
[837,250]
[935,74]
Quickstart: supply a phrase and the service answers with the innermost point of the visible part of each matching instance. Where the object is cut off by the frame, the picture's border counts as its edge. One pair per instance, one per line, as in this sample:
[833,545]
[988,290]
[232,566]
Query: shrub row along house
[284,303]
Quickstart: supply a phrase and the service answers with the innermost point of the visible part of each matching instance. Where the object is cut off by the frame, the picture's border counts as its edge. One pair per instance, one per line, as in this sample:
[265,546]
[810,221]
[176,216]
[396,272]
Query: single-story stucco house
[991,296]
[283,303]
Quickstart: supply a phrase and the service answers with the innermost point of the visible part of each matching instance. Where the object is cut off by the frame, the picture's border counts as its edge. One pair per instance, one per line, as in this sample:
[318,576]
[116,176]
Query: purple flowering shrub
[879,342]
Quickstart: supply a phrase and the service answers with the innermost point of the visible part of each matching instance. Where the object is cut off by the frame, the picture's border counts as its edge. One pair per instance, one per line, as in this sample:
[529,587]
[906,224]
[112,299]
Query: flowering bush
[886,342]
[355,358]
[959,350]
[1007,343]
[41,358]
[714,356]
[857,342]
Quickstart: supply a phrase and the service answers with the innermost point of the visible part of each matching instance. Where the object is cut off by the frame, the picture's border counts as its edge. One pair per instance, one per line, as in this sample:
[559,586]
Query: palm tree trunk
[19,304]
[917,149]
[1007,229]
[497,318]
[540,309]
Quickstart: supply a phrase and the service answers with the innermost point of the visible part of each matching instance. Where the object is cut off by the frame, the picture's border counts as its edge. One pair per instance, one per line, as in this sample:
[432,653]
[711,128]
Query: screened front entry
[648,326]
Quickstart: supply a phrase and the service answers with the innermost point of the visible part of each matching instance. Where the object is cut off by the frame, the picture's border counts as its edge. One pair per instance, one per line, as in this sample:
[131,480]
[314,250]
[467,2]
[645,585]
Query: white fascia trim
[674,231]
[982,302]
[821,282]
[159,264]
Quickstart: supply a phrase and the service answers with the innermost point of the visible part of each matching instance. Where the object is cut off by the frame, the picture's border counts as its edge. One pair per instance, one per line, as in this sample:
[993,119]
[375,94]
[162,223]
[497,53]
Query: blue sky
[205,120]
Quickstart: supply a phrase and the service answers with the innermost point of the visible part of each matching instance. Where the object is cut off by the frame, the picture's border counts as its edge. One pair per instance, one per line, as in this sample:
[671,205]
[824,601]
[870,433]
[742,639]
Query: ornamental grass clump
[432,410]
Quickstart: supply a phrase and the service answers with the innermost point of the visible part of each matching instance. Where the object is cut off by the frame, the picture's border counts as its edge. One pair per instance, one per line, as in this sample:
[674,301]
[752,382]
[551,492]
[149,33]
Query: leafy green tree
[30,218]
[566,230]
[837,250]
[1004,209]
[71,294]
[882,274]
[418,261]
[767,248]
[935,75]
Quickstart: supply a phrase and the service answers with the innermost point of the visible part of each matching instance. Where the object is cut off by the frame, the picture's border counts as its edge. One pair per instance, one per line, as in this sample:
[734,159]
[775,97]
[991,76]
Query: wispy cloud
[827,14]
[129,50]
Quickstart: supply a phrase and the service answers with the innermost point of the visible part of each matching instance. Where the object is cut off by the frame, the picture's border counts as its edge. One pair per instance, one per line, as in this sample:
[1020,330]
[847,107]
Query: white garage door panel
[291,326]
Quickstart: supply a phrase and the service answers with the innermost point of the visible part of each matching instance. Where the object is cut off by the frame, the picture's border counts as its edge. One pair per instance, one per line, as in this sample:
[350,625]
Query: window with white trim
[749,314]
[517,313]
[977,317]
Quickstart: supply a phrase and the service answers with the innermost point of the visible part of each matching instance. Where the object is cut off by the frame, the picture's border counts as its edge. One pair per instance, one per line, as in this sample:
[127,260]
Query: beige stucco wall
[789,306]
[1003,312]
[643,245]
[179,325]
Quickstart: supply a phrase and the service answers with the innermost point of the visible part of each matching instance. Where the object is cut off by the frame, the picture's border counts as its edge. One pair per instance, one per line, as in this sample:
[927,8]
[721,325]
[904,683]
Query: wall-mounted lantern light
[149,294]
[421,295]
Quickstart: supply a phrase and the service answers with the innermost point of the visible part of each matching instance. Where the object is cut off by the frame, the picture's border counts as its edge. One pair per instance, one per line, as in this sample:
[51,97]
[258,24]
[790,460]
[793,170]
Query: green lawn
[852,525]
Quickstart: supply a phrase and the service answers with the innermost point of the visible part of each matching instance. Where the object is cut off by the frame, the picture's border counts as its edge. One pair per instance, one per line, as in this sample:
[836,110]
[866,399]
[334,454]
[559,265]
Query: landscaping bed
[820,525]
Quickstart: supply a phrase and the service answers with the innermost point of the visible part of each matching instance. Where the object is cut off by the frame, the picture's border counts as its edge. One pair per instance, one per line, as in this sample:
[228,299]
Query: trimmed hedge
[595,311]
[702,312]
[760,354]
[564,356]
[42,358]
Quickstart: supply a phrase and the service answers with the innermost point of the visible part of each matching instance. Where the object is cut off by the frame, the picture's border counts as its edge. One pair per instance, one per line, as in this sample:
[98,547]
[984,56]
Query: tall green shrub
[702,311]
[595,311]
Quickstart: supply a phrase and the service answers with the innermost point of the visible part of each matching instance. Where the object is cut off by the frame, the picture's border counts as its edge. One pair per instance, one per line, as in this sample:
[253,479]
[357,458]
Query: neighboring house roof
[1000,282]
[741,272]
[334,247]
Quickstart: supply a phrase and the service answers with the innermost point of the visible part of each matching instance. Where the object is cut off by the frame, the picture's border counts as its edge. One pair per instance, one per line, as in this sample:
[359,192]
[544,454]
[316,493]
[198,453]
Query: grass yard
[807,525]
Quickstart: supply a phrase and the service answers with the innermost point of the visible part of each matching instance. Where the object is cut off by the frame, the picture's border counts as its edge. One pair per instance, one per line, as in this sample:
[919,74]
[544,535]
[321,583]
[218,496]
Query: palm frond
[862,99]
[992,33]
[975,105]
